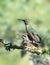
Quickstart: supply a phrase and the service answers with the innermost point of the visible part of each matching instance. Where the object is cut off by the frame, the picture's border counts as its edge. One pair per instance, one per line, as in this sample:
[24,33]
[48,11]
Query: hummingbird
[35,38]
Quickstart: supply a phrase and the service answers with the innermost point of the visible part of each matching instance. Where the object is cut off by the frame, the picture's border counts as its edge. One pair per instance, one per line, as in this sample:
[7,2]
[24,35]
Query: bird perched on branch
[35,38]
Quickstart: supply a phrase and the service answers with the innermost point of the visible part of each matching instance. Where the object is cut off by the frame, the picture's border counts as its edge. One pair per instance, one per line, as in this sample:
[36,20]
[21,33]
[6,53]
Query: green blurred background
[38,14]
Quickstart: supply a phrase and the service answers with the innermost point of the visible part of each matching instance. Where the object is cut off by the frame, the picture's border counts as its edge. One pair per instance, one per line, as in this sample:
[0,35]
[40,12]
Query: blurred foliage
[23,52]
[38,23]
[38,14]
[10,34]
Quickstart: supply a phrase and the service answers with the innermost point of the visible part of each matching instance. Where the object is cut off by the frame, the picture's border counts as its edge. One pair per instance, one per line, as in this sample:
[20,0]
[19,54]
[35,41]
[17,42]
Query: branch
[36,50]
[17,47]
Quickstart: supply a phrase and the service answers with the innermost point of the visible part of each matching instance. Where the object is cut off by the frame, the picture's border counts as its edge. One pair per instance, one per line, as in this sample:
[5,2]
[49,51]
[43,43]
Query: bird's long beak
[21,19]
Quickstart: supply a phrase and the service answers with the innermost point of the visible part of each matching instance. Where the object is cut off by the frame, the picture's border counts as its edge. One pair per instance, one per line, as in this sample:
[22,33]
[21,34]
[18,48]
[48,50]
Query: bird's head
[24,20]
